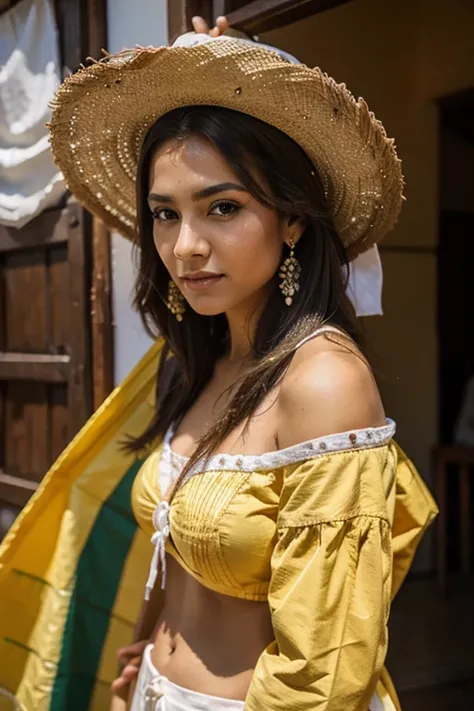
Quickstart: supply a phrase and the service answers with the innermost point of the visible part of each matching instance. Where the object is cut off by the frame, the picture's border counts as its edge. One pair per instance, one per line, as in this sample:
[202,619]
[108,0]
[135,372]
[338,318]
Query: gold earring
[175,302]
[289,274]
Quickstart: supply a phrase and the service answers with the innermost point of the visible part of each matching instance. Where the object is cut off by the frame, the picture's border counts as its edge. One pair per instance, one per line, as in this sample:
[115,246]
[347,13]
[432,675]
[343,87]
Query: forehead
[193,159]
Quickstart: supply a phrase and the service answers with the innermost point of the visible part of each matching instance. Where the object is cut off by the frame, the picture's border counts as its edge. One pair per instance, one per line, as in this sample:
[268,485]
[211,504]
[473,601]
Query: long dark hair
[251,148]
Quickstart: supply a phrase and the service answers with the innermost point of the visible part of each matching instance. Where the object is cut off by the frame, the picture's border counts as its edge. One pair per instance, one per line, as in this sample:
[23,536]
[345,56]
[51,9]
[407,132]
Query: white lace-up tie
[158,540]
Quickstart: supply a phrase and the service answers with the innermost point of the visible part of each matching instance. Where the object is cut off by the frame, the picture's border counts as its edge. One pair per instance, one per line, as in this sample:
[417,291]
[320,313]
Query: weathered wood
[101,288]
[25,301]
[80,395]
[58,288]
[96,27]
[265,15]
[72,32]
[16,490]
[59,420]
[27,450]
[51,227]
[45,319]
[34,366]
[101,314]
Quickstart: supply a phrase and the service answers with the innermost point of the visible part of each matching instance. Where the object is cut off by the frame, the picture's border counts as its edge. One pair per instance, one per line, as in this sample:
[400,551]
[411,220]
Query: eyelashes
[220,208]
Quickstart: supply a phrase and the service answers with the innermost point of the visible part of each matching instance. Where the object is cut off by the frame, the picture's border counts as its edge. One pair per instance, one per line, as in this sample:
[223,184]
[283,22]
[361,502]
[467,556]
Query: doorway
[456,258]
[456,293]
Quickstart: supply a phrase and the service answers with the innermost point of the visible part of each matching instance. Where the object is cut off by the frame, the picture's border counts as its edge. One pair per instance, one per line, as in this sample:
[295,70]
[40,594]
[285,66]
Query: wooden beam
[265,15]
[96,27]
[101,313]
[72,32]
[16,490]
[101,288]
[79,384]
[51,225]
[34,366]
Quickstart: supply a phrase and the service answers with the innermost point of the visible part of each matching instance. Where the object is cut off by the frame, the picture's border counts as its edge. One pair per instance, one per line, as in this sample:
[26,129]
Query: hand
[129,659]
[201,27]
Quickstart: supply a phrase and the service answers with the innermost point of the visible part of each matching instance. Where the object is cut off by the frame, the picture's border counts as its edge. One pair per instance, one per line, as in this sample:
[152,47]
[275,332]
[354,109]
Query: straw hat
[102,114]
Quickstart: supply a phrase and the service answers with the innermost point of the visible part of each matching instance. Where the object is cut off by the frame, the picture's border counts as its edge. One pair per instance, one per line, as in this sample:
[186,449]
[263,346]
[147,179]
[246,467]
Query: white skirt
[154,692]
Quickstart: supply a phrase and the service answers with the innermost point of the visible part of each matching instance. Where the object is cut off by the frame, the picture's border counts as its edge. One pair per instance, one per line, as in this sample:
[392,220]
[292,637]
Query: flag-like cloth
[74,564]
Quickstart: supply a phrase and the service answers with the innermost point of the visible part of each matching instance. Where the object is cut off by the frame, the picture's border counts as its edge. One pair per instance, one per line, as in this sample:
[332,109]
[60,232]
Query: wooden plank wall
[45,384]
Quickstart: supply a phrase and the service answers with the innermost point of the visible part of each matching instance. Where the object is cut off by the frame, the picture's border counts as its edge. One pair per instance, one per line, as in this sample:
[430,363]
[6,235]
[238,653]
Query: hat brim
[102,114]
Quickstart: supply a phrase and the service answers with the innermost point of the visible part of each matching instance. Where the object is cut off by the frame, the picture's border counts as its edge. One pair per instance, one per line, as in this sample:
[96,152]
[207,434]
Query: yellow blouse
[325,530]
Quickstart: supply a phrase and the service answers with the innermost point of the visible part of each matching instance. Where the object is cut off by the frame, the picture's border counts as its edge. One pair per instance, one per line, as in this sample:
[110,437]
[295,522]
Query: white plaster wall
[142,22]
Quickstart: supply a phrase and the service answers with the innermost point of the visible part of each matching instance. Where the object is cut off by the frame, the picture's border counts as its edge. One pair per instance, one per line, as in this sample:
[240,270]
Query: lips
[201,280]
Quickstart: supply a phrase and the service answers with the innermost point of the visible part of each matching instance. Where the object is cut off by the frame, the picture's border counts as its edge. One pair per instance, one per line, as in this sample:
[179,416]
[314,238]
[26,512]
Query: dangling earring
[175,301]
[289,274]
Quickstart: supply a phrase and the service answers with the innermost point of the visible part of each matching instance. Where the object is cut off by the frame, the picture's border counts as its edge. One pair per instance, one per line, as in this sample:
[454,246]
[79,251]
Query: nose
[189,243]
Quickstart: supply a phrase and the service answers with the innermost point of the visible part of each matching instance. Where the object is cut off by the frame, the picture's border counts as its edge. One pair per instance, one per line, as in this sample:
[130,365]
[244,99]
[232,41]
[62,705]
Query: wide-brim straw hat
[102,113]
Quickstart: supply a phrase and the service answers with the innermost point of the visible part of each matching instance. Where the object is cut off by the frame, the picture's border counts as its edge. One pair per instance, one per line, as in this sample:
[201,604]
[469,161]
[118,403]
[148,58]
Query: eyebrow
[201,194]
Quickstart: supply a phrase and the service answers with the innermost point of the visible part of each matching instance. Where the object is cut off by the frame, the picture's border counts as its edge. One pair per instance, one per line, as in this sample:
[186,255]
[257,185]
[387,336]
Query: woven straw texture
[102,114]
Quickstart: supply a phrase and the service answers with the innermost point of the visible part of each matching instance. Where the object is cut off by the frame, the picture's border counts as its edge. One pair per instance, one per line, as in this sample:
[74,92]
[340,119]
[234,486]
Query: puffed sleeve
[415,509]
[330,586]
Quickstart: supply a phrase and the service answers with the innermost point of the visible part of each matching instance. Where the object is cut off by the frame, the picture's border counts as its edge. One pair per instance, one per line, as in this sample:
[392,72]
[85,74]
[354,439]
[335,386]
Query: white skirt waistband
[154,692]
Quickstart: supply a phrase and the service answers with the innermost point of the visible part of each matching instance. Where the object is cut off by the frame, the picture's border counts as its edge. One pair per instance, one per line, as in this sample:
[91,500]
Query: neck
[242,322]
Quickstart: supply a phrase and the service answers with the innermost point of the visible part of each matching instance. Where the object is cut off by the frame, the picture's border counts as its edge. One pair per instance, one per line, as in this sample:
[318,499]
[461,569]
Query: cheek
[164,248]
[255,250]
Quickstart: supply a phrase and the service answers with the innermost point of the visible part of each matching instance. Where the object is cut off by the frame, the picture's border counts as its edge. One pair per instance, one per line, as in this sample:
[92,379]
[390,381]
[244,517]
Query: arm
[331,567]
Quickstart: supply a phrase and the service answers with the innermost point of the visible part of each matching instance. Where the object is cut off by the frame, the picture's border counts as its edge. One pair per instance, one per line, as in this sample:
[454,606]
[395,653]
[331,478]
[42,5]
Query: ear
[294,228]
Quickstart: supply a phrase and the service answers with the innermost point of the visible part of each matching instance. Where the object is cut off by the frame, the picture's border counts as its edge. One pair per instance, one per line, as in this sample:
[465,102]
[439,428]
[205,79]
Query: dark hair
[251,148]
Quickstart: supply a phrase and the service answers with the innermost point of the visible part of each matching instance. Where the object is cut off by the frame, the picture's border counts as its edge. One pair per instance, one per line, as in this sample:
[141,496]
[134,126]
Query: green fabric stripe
[98,576]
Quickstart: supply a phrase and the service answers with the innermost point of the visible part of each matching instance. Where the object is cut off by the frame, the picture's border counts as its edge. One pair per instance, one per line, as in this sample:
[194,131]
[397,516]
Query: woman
[273,492]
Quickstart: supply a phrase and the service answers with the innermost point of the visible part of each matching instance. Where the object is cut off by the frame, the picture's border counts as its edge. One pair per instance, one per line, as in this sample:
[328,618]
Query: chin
[208,309]
[206,306]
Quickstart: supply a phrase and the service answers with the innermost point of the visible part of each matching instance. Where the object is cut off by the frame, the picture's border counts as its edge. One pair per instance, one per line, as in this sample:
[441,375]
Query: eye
[225,208]
[164,214]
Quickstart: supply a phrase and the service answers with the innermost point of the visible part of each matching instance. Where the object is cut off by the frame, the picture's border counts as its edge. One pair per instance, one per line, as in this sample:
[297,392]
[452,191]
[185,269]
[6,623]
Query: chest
[258,437]
[223,527]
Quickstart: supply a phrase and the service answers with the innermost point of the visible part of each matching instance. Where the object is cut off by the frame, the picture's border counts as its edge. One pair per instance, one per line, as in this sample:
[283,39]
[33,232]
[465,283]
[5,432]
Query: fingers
[201,26]
[132,650]
[222,23]
[221,26]
[119,686]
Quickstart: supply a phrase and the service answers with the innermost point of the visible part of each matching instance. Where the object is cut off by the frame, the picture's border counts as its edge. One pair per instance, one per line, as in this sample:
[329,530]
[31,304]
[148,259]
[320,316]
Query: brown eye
[224,208]
[164,214]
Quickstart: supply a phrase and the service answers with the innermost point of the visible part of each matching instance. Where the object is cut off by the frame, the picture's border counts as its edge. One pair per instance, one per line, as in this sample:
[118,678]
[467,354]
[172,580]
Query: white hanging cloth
[364,287]
[29,77]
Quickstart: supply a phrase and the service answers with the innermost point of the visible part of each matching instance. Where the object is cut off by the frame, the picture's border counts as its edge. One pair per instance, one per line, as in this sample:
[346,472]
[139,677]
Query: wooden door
[56,355]
[45,383]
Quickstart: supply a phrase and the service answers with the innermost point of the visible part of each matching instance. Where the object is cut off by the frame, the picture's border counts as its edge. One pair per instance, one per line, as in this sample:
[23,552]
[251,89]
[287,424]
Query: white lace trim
[340,442]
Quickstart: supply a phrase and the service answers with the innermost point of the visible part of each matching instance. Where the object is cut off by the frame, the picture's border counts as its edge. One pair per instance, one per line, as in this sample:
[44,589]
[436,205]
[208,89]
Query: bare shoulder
[328,388]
